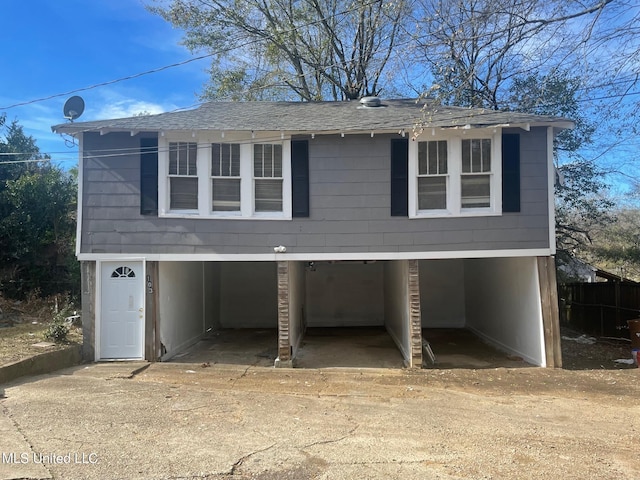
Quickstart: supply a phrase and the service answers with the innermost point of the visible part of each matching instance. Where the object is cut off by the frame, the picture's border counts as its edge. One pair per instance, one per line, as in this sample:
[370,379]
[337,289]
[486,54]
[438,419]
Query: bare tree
[475,48]
[291,49]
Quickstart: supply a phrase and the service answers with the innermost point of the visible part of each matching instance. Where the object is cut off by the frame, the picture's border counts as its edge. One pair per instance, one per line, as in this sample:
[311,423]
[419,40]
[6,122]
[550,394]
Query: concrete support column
[415,317]
[550,314]
[284,337]
[88,280]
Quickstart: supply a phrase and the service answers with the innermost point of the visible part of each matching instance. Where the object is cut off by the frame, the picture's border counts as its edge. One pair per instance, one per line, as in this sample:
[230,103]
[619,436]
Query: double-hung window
[225,177]
[267,177]
[433,176]
[476,173]
[457,173]
[183,176]
[232,176]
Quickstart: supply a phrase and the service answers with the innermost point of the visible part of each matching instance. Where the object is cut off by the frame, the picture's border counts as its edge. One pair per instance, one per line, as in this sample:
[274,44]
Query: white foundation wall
[396,304]
[211,295]
[442,302]
[296,303]
[345,294]
[503,305]
[248,295]
[181,305]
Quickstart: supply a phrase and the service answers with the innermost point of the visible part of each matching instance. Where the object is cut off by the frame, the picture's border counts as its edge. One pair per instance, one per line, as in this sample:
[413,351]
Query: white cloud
[128,107]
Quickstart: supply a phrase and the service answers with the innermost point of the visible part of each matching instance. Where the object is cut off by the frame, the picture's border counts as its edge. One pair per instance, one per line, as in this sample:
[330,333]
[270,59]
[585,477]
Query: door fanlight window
[123,272]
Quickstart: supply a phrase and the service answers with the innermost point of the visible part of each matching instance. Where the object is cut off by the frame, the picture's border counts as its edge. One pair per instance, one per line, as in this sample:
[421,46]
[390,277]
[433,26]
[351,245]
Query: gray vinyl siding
[349,191]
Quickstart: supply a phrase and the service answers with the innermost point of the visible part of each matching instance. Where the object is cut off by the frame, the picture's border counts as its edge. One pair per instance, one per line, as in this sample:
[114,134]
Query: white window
[183,176]
[476,173]
[455,174]
[240,177]
[432,175]
[267,174]
[225,177]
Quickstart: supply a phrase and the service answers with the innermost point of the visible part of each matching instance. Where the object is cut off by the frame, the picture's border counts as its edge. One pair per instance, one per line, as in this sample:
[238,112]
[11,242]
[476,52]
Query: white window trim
[454,170]
[204,211]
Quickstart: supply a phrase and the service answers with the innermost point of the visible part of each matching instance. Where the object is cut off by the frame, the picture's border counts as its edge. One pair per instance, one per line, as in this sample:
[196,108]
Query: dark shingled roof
[316,117]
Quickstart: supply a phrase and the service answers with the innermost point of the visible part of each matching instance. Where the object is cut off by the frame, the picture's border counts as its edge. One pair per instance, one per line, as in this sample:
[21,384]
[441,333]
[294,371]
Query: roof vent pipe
[370,101]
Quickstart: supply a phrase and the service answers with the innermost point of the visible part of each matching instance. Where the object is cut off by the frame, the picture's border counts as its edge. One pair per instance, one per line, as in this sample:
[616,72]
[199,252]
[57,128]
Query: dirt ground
[24,323]
[178,421]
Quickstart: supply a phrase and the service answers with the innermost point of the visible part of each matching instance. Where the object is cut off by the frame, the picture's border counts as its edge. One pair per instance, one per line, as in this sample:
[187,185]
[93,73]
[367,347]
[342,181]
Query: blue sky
[56,46]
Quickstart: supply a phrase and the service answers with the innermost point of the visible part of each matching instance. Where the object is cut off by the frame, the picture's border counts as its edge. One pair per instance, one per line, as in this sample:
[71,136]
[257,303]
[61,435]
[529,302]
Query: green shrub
[59,329]
[57,332]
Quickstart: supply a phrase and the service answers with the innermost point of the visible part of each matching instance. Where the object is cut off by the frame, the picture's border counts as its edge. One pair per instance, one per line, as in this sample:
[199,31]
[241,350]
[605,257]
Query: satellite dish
[73,108]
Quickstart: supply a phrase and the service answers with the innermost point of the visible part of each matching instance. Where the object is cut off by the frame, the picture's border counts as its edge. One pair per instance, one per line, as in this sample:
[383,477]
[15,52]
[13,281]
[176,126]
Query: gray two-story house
[286,215]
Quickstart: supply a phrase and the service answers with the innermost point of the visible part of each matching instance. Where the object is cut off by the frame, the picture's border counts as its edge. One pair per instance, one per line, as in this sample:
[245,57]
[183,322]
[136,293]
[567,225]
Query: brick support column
[284,338]
[414,314]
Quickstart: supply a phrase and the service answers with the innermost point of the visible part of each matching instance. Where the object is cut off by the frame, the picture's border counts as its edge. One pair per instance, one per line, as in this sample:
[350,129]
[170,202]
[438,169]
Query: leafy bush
[57,332]
[59,329]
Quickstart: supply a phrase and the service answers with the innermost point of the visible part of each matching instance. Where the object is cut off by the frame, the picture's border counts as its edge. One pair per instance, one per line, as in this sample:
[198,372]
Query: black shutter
[148,176]
[510,172]
[400,177]
[300,178]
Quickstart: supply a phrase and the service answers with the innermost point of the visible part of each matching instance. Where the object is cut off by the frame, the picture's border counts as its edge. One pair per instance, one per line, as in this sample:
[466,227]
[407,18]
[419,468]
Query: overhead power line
[183,62]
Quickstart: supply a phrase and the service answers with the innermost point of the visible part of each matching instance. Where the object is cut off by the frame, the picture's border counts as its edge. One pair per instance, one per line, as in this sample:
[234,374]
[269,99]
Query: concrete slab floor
[460,348]
[347,347]
[362,347]
[242,346]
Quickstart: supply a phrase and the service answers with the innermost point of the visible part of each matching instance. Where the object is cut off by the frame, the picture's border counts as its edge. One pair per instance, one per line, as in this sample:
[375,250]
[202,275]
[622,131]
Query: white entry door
[122,310]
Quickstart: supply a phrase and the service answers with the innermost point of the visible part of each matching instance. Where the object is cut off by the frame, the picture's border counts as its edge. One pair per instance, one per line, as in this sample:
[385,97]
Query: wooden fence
[599,308]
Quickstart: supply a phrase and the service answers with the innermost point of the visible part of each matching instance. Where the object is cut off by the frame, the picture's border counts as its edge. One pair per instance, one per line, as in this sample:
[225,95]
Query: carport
[231,306]
[498,300]
[315,314]
[354,313]
[319,314]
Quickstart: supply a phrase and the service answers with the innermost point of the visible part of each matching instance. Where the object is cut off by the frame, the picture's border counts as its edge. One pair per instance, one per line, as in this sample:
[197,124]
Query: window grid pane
[486,155]
[432,193]
[466,156]
[277,160]
[432,158]
[442,157]
[235,160]
[192,158]
[476,191]
[476,155]
[268,195]
[226,194]
[183,193]
[225,160]
[183,159]
[215,160]
[422,158]
[267,160]
[257,160]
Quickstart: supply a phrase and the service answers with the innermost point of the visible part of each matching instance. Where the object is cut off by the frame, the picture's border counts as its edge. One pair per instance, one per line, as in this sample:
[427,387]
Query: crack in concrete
[16,425]
[241,460]
[129,376]
[335,440]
